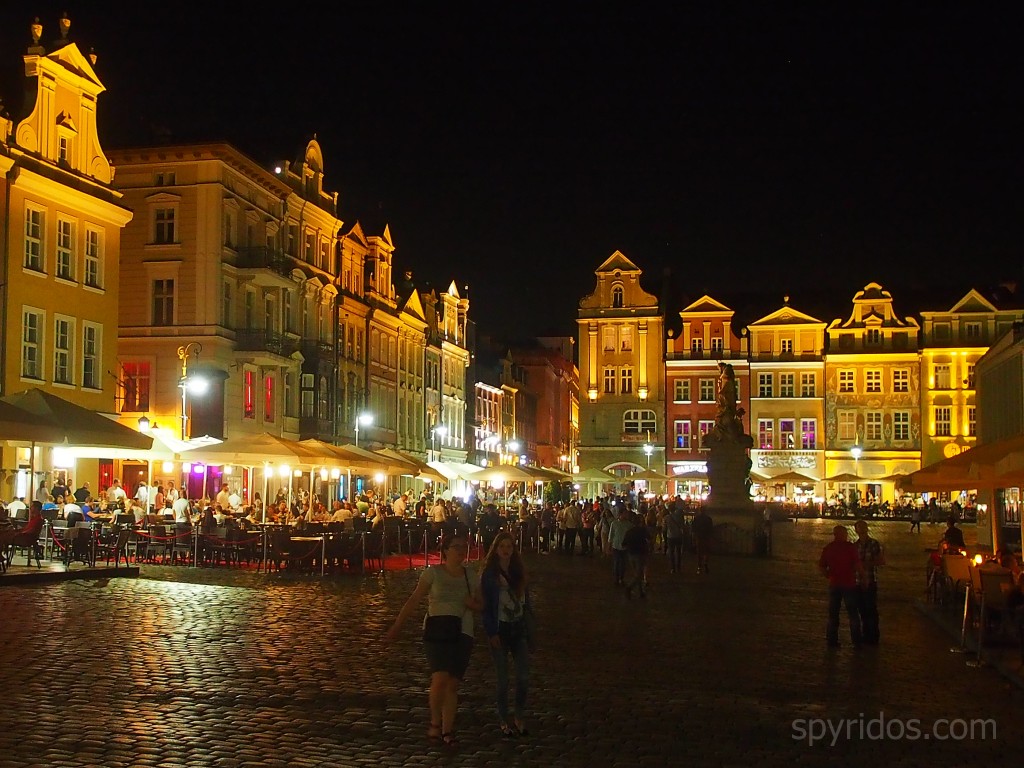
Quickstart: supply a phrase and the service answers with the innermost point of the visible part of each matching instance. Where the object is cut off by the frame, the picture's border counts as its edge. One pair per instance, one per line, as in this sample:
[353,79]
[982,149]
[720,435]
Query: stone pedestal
[729,500]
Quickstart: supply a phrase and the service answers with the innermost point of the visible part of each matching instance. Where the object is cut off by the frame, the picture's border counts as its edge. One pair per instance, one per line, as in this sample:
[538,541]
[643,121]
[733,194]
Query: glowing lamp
[978,559]
[186,468]
[335,473]
[197,469]
[228,469]
[379,478]
[298,473]
[284,470]
[168,467]
[323,473]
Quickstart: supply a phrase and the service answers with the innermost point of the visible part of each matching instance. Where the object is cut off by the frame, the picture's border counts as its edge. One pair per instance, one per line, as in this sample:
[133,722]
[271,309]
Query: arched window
[616,297]
[639,421]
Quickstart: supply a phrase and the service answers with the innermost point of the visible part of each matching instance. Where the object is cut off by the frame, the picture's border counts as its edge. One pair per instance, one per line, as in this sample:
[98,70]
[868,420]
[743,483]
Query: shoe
[521,729]
[509,731]
[449,740]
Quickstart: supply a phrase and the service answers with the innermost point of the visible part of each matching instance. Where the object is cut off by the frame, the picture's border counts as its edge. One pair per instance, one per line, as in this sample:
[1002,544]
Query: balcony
[312,427]
[318,350]
[260,340]
[263,262]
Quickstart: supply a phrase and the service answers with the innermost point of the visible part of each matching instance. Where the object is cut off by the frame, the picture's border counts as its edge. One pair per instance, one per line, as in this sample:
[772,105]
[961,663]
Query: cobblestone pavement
[212,667]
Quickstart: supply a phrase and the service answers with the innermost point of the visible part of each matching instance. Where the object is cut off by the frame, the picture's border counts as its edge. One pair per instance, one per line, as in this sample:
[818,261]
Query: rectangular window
[269,314]
[609,381]
[65,249]
[846,381]
[250,309]
[135,378]
[682,391]
[229,229]
[972,331]
[627,381]
[873,425]
[717,344]
[32,344]
[608,336]
[289,394]
[226,319]
[970,376]
[626,338]
[972,421]
[943,420]
[765,385]
[63,336]
[34,239]
[696,346]
[93,258]
[873,381]
[248,396]
[787,346]
[163,302]
[163,229]
[765,434]
[288,317]
[808,385]
[901,380]
[787,434]
[942,377]
[847,425]
[808,434]
[901,425]
[787,385]
[707,390]
[310,252]
[268,398]
[62,149]
[873,337]
[165,179]
[705,428]
[682,432]
[91,355]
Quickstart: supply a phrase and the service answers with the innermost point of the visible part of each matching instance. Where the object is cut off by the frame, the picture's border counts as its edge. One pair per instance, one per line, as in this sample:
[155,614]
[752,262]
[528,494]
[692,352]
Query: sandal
[449,740]
[509,731]
[434,731]
[521,729]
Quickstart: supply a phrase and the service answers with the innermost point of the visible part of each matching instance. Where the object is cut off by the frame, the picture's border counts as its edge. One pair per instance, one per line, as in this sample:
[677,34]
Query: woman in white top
[447,587]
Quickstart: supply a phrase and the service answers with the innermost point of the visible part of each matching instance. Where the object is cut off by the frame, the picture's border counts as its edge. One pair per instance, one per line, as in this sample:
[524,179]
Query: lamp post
[366,419]
[197,385]
[513,448]
[438,430]
[856,452]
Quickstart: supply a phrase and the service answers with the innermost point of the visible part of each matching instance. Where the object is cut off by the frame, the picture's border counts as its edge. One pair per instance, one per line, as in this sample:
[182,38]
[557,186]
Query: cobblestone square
[226,668]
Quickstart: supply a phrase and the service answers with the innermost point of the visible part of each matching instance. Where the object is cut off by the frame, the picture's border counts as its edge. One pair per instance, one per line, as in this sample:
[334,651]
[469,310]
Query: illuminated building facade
[952,343]
[692,362]
[621,362]
[872,397]
[787,416]
[60,240]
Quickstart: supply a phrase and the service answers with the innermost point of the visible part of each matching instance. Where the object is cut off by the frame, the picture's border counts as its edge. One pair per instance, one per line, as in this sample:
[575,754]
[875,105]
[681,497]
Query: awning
[73,424]
[999,464]
[420,469]
[167,446]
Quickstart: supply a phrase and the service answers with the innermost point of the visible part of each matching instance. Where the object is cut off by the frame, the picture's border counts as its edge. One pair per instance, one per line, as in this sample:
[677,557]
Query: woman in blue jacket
[503,589]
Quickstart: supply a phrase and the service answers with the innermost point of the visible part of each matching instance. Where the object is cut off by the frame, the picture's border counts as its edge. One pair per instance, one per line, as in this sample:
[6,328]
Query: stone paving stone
[219,667]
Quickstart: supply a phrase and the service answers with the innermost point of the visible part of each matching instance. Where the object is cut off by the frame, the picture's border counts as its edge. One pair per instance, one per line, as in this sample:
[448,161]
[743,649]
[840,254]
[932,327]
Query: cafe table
[323,547]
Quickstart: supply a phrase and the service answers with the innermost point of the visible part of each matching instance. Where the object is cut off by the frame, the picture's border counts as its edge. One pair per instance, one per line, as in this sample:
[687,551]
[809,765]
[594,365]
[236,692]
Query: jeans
[868,605]
[837,596]
[675,552]
[513,640]
[638,564]
[570,541]
[619,565]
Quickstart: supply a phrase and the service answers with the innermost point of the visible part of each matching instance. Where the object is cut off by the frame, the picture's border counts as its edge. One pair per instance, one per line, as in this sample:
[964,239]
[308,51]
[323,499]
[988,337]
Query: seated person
[29,533]
[953,537]
[219,515]
[182,510]
[341,514]
[73,514]
[138,510]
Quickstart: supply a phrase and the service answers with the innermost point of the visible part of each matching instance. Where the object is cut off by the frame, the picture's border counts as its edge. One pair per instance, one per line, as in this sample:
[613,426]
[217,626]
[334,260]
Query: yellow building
[620,340]
[952,343]
[872,398]
[61,241]
[787,415]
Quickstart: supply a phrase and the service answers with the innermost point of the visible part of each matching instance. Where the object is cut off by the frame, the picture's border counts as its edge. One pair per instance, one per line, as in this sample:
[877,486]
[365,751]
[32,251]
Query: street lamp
[197,385]
[512,446]
[648,450]
[366,419]
[856,452]
[439,430]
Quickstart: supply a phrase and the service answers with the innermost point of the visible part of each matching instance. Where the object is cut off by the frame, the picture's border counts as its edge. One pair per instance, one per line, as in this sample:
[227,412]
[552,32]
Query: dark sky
[515,146]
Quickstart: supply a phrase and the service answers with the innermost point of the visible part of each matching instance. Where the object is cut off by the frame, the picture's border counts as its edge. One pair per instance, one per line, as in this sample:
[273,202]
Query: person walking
[871,556]
[616,534]
[703,533]
[505,599]
[840,564]
[638,544]
[915,519]
[448,641]
[572,525]
[674,536]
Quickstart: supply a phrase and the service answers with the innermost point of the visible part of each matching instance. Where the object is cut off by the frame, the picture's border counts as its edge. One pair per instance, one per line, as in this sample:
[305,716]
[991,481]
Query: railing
[249,340]
[318,350]
[261,257]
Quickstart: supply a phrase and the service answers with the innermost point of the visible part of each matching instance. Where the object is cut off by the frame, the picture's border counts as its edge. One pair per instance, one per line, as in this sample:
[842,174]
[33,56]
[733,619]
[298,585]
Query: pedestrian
[674,536]
[448,631]
[703,533]
[638,544]
[871,556]
[505,599]
[915,520]
[615,536]
[840,564]
[571,521]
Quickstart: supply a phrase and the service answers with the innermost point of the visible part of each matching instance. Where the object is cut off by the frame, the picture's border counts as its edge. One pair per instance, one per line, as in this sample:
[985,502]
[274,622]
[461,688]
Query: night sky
[514,147]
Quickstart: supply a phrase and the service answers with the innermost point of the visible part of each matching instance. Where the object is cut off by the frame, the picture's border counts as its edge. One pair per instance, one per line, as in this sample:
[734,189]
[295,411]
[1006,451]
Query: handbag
[444,628]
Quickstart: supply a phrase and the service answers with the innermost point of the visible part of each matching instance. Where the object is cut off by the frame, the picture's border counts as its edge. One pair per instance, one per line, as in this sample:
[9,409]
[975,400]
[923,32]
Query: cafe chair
[33,551]
[996,609]
[374,553]
[80,546]
[116,548]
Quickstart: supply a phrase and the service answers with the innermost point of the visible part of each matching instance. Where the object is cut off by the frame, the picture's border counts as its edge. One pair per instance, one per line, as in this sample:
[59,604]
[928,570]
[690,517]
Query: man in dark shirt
[703,532]
[871,556]
[840,564]
[59,491]
[82,494]
[953,537]
[637,543]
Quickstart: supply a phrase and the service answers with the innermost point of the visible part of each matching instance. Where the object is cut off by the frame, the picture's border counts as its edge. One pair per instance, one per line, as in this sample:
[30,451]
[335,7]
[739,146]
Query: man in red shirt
[840,564]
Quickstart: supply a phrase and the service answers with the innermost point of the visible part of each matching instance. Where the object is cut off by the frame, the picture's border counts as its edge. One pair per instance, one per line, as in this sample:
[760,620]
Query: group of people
[852,572]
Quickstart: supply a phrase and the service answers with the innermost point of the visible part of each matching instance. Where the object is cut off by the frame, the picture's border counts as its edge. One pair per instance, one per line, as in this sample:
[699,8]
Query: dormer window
[617,297]
[63,149]
[873,336]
